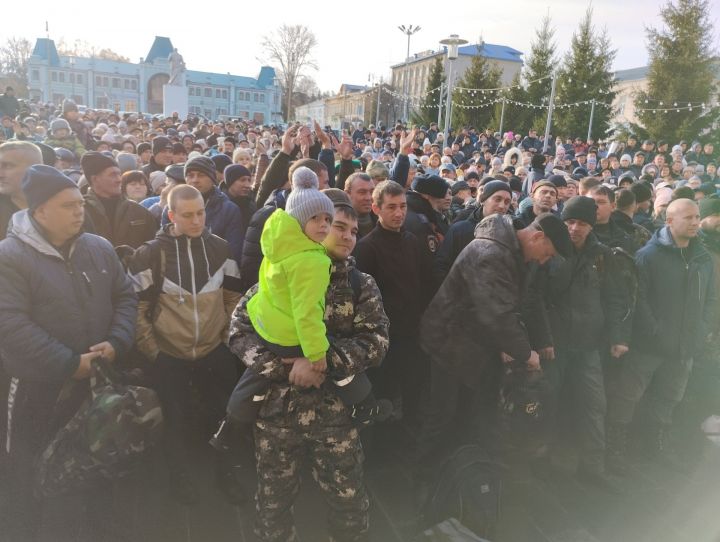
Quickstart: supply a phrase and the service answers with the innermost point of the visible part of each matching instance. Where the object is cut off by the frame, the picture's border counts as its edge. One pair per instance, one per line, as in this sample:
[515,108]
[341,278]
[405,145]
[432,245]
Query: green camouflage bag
[104,439]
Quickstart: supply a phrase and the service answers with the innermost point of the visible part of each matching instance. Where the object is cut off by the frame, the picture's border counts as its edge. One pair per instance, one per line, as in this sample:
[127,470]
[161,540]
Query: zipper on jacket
[194,294]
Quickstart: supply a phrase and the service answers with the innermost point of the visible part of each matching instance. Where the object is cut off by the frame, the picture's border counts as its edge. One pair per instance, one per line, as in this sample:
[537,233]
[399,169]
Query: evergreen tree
[517,118]
[481,74]
[586,75]
[538,67]
[428,110]
[680,73]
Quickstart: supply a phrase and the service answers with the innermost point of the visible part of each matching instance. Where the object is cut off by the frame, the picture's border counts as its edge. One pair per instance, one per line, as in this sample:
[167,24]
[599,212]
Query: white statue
[177,67]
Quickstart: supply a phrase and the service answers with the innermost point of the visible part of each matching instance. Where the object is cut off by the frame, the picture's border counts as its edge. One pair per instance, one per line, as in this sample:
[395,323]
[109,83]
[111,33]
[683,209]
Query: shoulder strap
[157,262]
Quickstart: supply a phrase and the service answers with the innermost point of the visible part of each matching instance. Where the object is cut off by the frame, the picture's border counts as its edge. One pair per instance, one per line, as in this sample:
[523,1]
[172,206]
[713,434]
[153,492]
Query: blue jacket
[52,308]
[676,297]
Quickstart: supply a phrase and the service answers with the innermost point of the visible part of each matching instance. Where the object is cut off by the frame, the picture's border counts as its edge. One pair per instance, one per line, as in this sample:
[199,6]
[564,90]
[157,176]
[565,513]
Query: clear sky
[355,38]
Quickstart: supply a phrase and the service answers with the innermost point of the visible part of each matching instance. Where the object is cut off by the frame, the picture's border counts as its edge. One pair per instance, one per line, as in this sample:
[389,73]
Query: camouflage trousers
[282,443]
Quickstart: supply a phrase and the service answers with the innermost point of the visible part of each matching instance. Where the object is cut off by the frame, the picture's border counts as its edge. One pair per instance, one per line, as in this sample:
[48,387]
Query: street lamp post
[452,43]
[409,31]
[72,77]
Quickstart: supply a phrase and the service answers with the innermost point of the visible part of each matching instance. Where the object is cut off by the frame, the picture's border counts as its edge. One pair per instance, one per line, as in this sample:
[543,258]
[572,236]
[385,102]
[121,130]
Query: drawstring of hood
[181,299]
[207,261]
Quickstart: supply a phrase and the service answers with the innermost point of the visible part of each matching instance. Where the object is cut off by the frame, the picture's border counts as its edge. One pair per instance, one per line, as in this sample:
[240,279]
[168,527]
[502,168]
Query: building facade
[411,77]
[124,86]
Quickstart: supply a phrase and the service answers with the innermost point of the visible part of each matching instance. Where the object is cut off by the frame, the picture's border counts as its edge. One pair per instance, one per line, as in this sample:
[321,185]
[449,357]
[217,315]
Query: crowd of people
[304,284]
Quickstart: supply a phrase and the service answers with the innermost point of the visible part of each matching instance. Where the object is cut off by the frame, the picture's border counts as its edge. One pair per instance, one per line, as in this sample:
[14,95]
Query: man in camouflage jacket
[305,418]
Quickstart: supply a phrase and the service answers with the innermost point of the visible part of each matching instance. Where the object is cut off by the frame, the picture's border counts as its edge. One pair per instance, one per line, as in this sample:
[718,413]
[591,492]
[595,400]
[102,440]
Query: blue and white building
[124,86]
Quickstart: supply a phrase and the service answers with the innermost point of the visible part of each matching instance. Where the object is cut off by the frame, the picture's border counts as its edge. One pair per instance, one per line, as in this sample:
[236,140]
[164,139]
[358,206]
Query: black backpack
[468,489]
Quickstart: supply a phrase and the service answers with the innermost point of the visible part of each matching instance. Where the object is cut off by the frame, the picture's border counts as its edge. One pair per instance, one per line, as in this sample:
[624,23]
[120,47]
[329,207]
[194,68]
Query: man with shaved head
[15,158]
[675,306]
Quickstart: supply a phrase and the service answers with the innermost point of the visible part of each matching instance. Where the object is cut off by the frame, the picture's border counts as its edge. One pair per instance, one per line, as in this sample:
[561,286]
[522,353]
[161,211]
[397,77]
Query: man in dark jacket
[493,197]
[590,313]
[9,104]
[606,229]
[65,300]
[644,201]
[110,214]
[675,309]
[237,185]
[223,216]
[475,318]
[625,207]
[162,156]
[544,197]
[425,202]
[400,264]
[531,143]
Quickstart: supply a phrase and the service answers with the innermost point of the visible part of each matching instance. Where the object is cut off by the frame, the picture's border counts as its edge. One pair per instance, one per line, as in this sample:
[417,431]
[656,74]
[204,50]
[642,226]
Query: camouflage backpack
[104,439]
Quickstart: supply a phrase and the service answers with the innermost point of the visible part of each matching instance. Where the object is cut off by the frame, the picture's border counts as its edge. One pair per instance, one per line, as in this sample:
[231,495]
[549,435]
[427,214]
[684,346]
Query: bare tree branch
[14,56]
[290,48]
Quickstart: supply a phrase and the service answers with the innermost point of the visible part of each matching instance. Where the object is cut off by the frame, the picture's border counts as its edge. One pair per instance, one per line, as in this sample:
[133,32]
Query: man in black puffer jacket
[64,300]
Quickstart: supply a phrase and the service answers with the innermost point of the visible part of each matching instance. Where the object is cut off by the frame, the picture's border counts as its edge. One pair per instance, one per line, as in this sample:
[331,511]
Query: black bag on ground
[468,488]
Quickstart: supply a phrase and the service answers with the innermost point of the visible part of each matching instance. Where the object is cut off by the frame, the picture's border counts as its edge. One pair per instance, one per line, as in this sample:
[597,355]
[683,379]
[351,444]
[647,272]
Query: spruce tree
[428,110]
[538,68]
[585,75]
[481,74]
[680,73]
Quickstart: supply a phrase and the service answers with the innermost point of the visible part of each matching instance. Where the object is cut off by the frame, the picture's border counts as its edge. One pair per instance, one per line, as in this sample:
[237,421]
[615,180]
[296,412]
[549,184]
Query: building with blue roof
[412,75]
[124,86]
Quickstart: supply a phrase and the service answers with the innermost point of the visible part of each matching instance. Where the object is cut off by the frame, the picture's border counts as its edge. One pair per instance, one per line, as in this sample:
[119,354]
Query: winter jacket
[152,166]
[293,278]
[9,105]
[71,143]
[637,233]
[399,264]
[475,314]
[357,328]
[252,255]
[7,209]
[424,222]
[531,143]
[587,300]
[132,224]
[645,220]
[399,170]
[614,236]
[187,314]
[676,297]
[456,239]
[53,308]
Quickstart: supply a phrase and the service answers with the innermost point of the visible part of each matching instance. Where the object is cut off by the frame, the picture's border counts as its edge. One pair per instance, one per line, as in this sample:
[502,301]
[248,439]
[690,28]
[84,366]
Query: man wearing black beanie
[238,187]
[64,300]
[162,155]
[425,202]
[590,315]
[108,213]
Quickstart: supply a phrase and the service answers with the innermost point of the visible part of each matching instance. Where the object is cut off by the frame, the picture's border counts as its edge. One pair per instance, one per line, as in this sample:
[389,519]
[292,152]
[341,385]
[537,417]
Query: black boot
[616,448]
[371,410]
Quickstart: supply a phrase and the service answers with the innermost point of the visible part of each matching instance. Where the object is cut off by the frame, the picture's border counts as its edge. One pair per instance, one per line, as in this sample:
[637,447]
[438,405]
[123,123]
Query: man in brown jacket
[108,213]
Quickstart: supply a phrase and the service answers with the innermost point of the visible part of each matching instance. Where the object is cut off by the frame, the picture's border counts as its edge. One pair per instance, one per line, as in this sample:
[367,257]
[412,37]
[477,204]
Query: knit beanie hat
[430,185]
[203,164]
[69,105]
[305,200]
[642,192]
[59,124]
[233,172]
[93,162]
[48,154]
[626,157]
[494,186]
[377,169]
[221,161]
[157,180]
[558,180]
[160,143]
[126,161]
[709,206]
[41,183]
[580,208]
[537,161]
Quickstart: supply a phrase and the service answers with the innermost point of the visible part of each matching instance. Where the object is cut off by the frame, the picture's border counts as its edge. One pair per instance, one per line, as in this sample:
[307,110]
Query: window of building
[130,105]
[224,94]
[259,117]
[220,111]
[133,84]
[126,83]
[245,114]
[191,91]
[105,82]
[208,94]
[262,98]
[53,76]
[72,78]
[61,76]
[101,102]
[98,81]
[115,82]
[255,97]
[58,98]
[35,75]
[217,92]
[247,96]
[116,106]
[78,99]
[79,79]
